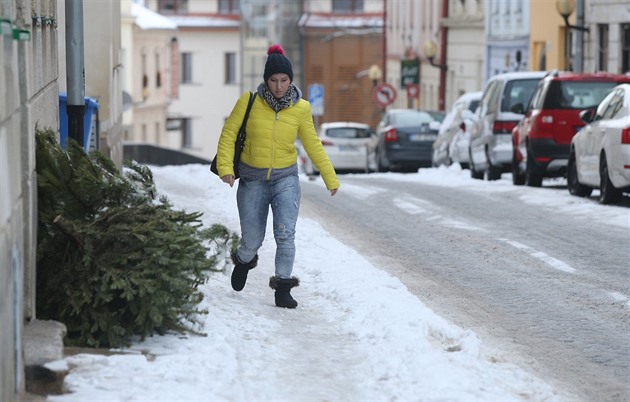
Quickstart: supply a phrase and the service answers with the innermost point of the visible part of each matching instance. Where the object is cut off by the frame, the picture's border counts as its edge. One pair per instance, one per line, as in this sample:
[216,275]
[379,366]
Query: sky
[357,334]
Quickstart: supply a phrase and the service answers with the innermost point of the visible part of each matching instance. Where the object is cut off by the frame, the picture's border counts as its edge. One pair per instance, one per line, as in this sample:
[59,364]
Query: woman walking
[269,173]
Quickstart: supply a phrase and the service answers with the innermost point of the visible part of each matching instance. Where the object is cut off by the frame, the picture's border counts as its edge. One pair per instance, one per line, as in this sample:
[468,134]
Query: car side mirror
[586,116]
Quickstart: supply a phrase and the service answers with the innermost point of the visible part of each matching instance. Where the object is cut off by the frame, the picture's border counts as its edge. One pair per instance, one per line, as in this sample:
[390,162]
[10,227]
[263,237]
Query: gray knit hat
[277,62]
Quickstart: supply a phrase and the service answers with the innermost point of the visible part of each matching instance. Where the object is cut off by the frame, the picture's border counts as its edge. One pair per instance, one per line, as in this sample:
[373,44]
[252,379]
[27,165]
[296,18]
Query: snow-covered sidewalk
[357,334]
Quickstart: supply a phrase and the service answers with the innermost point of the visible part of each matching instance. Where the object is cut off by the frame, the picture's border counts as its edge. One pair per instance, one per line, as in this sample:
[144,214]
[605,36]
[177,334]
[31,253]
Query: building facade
[341,45]
[146,51]
[29,99]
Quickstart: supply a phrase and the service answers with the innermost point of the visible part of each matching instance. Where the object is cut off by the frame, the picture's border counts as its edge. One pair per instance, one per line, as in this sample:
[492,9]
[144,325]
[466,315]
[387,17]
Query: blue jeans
[253,199]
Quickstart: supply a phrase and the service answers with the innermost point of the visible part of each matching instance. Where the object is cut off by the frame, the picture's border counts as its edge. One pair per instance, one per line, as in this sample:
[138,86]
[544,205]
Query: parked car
[403,140]
[458,149]
[599,155]
[346,146]
[461,112]
[490,149]
[541,139]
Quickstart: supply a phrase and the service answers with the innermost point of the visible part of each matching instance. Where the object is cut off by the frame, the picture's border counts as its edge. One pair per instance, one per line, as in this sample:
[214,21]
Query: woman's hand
[229,179]
[333,191]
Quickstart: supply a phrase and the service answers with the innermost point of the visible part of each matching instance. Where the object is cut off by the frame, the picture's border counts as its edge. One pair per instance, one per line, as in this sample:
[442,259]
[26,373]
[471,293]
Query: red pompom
[276,49]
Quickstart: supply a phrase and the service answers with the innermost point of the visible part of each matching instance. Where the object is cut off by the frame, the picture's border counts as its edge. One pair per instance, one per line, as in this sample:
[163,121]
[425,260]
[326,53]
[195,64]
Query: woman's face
[278,84]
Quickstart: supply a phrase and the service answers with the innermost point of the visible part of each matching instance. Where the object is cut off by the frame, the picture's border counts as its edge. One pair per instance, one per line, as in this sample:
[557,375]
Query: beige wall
[546,36]
[207,101]
[150,104]
[29,98]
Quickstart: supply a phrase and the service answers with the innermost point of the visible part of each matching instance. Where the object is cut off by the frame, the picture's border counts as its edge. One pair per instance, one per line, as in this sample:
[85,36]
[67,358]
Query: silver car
[345,144]
[491,134]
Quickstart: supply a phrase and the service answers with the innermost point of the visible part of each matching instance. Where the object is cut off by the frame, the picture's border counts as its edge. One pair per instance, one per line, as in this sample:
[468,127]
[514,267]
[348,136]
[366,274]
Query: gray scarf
[292,96]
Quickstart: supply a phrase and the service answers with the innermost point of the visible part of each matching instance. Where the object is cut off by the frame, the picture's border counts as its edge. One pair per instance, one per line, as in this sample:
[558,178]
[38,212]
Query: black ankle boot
[239,274]
[283,290]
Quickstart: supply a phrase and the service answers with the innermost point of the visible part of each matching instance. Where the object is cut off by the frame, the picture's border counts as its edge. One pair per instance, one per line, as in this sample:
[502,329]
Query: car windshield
[576,94]
[348,132]
[411,118]
[518,92]
[473,105]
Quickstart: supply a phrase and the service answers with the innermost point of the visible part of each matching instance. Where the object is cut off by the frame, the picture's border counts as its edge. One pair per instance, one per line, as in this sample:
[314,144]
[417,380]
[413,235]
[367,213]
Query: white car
[599,156]
[451,125]
[460,144]
[345,144]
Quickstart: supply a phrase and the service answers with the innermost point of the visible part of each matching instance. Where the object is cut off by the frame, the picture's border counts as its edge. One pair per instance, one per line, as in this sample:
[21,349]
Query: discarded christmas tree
[115,260]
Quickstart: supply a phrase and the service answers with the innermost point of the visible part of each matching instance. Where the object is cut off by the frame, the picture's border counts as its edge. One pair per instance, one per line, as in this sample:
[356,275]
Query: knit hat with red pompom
[277,62]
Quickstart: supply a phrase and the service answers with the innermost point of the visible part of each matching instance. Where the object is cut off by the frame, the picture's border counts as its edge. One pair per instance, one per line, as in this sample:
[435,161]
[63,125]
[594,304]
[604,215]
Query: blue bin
[91,107]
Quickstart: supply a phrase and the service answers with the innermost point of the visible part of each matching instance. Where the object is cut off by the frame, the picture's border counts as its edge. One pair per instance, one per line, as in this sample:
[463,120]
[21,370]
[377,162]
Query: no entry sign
[384,95]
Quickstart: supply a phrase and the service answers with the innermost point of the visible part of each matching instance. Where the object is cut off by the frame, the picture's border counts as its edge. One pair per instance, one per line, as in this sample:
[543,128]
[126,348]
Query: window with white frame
[347,6]
[602,48]
[625,48]
[186,68]
[230,68]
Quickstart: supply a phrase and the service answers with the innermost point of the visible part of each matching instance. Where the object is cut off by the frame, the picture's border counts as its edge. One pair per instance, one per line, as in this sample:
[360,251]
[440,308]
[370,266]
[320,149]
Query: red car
[542,138]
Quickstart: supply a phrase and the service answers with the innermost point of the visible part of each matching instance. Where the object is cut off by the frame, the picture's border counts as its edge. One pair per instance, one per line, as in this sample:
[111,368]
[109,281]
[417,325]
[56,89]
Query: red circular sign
[384,94]
[413,90]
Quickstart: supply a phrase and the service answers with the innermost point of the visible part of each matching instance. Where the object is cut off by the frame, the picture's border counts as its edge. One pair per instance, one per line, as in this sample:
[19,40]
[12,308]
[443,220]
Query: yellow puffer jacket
[270,139]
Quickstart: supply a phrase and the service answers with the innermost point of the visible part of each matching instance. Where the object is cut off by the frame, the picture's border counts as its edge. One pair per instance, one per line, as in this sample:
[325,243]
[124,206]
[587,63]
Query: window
[230,68]
[577,94]
[625,48]
[158,76]
[186,133]
[602,53]
[186,68]
[229,7]
[173,6]
[347,6]
[518,91]
[348,132]
[145,78]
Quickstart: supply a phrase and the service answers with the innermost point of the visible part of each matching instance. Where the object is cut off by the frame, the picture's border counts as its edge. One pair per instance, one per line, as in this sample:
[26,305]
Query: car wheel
[532,177]
[494,173]
[381,161]
[573,184]
[475,174]
[608,193]
[518,178]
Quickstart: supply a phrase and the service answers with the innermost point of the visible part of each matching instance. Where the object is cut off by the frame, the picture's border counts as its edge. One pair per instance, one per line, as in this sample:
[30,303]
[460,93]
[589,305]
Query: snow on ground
[358,334]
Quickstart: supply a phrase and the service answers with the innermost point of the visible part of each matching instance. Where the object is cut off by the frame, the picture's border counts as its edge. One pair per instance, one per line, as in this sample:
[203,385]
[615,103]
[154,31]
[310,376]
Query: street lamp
[375,74]
[430,50]
[565,9]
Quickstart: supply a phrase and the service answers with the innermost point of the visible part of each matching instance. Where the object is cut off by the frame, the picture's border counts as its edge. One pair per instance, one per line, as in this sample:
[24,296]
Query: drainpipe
[384,41]
[443,48]
[578,65]
[75,70]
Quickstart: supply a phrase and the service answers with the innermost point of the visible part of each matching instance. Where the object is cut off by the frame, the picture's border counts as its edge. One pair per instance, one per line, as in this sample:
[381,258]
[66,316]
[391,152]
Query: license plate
[348,147]
[422,137]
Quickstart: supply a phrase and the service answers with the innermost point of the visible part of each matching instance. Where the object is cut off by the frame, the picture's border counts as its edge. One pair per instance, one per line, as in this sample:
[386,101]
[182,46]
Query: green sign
[409,72]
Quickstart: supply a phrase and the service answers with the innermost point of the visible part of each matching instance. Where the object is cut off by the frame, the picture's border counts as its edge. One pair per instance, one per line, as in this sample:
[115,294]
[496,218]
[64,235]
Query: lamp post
[565,8]
[375,74]
[430,50]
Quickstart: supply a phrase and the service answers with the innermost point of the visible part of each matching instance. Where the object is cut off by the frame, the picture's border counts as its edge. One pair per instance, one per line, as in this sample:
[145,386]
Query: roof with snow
[149,19]
[206,21]
[327,20]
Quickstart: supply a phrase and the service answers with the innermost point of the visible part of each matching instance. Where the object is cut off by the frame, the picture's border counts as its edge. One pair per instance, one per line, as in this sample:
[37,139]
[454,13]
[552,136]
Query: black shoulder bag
[240,140]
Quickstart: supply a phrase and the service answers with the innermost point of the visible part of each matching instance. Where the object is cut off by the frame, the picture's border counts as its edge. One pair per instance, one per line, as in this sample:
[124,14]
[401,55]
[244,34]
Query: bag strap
[252,98]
